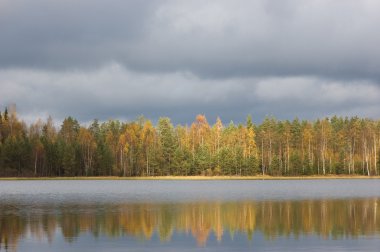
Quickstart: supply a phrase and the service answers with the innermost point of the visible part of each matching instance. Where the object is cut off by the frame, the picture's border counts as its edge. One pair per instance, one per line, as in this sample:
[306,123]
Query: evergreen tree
[249,123]
[69,147]
[168,144]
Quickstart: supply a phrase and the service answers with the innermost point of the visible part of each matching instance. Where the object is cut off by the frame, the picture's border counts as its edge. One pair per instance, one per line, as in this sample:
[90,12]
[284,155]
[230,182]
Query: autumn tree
[35,135]
[88,148]
[148,136]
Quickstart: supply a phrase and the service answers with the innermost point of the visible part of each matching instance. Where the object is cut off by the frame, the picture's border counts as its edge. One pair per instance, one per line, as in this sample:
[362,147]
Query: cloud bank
[119,59]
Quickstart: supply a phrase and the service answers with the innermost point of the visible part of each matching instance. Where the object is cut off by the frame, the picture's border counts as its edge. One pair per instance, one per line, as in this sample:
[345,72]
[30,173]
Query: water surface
[294,215]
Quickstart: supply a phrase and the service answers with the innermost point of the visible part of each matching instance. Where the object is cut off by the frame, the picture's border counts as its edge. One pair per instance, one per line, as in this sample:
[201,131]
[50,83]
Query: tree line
[333,145]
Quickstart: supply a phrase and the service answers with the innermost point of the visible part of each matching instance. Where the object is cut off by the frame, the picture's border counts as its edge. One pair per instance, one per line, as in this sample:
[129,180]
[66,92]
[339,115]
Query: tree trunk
[375,153]
[288,153]
[147,162]
[270,153]
[262,156]
[35,165]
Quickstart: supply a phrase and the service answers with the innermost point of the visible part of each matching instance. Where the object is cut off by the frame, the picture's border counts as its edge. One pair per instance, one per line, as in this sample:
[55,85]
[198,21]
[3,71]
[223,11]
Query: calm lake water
[294,215]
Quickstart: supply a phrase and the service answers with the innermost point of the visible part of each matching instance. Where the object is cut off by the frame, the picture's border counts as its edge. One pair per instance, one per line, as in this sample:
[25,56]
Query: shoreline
[259,177]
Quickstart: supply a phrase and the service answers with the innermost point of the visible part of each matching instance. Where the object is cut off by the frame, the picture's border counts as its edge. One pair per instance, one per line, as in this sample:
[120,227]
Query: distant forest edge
[280,148]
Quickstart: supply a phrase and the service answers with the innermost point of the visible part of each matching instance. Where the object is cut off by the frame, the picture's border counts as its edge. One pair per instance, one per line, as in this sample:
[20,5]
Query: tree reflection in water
[329,219]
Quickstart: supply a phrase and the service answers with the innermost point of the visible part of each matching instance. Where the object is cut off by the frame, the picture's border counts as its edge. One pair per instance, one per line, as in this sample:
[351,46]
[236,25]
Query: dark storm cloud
[215,39]
[69,34]
[123,58]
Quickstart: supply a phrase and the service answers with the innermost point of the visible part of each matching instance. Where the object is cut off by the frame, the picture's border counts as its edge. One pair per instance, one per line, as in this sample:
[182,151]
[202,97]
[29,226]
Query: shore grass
[258,177]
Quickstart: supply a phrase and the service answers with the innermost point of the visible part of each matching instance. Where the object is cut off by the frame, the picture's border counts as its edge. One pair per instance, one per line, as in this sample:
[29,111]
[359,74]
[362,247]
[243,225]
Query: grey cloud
[119,93]
[211,39]
[123,58]
[69,34]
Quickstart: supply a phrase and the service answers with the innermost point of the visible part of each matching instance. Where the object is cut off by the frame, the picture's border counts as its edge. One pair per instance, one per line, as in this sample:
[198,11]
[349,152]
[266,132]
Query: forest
[274,147]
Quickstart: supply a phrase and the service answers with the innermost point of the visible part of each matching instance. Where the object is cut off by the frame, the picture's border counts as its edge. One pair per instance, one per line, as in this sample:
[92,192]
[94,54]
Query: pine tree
[168,144]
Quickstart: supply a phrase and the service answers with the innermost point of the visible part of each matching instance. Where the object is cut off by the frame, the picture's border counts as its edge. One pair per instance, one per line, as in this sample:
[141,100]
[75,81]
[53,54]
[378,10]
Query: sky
[118,59]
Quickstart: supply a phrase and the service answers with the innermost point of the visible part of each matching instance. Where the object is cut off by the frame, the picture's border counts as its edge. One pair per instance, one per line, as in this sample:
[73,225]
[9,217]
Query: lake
[162,215]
